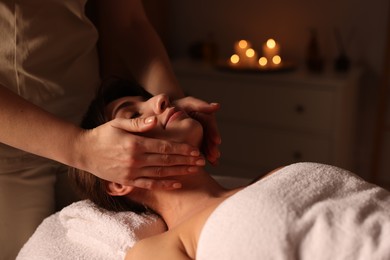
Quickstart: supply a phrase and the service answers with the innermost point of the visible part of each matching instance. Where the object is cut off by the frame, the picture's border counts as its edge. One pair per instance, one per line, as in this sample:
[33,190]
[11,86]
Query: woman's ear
[116,189]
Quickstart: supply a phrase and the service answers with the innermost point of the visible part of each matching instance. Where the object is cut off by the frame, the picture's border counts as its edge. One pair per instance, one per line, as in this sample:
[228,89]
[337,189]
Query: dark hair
[88,185]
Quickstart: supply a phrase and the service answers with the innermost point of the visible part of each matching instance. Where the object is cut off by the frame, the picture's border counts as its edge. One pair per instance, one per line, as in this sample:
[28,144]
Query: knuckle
[132,145]
[148,185]
[165,148]
[159,171]
[127,160]
[135,123]
[166,159]
[153,184]
[132,162]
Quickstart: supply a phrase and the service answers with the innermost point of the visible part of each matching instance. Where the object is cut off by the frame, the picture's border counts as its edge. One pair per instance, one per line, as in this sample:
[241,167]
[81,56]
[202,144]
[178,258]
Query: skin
[112,151]
[133,49]
[185,210]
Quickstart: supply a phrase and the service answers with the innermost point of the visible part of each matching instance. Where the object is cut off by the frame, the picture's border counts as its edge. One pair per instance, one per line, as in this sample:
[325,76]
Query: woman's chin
[191,134]
[195,141]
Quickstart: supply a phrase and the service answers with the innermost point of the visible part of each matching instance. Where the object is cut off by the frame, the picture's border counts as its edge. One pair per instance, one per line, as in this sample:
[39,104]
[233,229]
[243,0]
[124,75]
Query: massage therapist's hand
[113,153]
[205,113]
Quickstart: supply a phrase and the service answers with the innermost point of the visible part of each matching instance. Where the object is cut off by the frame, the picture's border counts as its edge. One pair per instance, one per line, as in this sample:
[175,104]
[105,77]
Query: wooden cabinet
[270,120]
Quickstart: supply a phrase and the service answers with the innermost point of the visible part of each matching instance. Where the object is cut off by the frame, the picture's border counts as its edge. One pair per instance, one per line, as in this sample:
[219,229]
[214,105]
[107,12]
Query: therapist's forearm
[129,46]
[32,129]
[151,63]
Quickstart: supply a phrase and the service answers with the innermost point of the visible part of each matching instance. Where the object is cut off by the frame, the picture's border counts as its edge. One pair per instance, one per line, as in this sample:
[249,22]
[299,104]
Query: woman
[51,61]
[192,214]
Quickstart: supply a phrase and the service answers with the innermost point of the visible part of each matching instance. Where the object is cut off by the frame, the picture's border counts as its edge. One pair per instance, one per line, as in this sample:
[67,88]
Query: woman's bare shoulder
[179,242]
[163,246]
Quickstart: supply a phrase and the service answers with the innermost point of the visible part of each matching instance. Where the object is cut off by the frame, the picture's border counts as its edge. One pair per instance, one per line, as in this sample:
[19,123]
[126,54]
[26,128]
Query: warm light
[271,43]
[263,61]
[234,59]
[276,59]
[250,53]
[243,44]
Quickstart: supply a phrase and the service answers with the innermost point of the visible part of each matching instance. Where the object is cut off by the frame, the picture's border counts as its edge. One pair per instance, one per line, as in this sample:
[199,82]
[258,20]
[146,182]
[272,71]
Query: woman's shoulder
[189,231]
[179,242]
[167,245]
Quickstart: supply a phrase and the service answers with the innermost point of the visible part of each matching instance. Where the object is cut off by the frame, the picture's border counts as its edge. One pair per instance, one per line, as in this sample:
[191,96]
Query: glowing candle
[234,60]
[263,61]
[250,58]
[276,60]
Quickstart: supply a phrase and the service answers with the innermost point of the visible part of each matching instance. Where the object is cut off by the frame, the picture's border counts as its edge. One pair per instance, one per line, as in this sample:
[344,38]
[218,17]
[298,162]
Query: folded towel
[84,231]
[303,211]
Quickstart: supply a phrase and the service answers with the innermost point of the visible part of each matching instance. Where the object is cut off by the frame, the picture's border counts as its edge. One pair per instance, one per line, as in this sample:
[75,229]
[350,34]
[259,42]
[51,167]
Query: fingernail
[200,162]
[176,185]
[192,169]
[149,120]
[195,153]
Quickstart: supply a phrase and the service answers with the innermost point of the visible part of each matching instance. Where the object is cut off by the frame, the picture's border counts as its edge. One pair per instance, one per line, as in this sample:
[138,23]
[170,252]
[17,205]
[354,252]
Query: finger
[212,137]
[212,142]
[202,107]
[158,146]
[134,125]
[170,160]
[209,124]
[211,150]
[194,104]
[213,155]
[168,171]
[156,184]
[212,130]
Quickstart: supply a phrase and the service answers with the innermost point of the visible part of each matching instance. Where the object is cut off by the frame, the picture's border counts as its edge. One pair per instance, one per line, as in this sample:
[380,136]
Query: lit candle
[263,62]
[234,60]
[270,50]
[250,58]
[276,60]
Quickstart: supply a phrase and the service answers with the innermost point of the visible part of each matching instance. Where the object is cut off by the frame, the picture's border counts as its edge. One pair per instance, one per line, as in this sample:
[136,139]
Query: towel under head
[84,231]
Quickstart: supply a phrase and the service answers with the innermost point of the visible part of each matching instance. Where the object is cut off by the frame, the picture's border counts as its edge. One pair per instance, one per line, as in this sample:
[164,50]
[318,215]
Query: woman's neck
[175,206]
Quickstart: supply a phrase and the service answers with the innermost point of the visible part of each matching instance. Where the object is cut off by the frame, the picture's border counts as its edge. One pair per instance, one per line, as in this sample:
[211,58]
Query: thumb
[134,125]
[194,104]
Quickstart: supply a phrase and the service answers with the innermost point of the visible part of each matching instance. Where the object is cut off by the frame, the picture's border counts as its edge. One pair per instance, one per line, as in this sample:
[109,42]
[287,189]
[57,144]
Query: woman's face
[173,124]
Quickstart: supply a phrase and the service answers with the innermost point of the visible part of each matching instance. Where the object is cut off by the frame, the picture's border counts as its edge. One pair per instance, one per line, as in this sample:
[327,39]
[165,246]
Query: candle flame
[250,53]
[276,59]
[263,61]
[243,44]
[234,59]
[271,43]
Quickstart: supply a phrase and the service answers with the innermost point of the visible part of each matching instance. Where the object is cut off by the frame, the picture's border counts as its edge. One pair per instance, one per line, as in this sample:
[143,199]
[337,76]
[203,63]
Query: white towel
[303,211]
[84,231]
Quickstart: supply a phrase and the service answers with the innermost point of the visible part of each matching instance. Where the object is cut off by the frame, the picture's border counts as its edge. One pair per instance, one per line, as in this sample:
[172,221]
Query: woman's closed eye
[135,115]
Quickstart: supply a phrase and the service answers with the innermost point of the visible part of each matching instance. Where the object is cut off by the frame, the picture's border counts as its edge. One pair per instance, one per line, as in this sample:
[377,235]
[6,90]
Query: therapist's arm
[129,46]
[106,151]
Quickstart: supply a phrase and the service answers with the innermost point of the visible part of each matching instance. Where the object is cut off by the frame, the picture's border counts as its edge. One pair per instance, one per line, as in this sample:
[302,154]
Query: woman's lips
[174,116]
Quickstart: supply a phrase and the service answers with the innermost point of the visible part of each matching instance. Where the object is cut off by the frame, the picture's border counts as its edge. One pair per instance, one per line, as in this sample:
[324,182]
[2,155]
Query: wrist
[75,155]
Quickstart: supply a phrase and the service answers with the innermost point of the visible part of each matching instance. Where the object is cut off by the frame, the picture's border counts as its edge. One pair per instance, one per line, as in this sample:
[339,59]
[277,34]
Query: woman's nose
[161,103]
